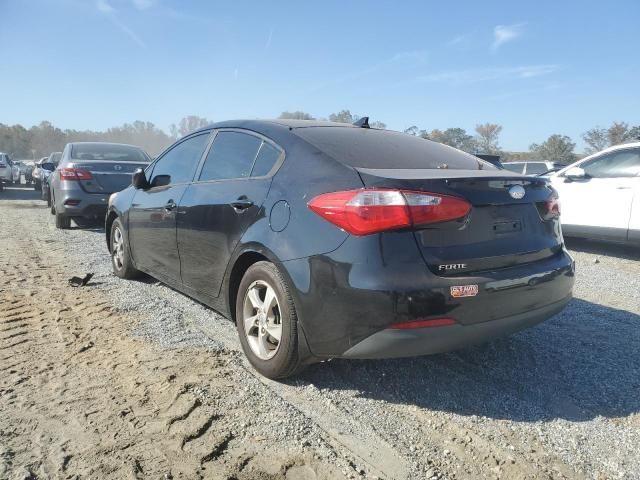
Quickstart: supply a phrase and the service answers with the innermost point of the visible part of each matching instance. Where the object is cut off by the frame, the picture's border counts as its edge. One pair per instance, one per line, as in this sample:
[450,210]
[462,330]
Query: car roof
[103,143]
[260,124]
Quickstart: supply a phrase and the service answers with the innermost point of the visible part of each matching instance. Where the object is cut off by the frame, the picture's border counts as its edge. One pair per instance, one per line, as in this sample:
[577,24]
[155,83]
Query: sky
[536,68]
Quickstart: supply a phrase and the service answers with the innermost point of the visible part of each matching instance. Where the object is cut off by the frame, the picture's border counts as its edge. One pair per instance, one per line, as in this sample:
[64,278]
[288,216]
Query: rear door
[152,216]
[222,203]
[600,204]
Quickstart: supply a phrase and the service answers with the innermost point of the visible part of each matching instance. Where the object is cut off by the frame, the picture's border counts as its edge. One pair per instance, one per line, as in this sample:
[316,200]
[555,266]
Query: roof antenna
[362,123]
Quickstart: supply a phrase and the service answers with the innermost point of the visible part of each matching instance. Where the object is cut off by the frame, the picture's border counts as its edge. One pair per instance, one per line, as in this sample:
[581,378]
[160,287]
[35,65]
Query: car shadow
[579,365]
[595,247]
[22,192]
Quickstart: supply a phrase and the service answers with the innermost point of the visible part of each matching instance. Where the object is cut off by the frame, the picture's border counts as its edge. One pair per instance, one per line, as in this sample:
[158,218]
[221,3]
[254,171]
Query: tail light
[74,174]
[551,208]
[366,211]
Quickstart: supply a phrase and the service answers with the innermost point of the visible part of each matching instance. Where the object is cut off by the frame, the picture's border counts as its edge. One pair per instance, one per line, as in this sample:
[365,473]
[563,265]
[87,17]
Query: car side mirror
[161,180]
[139,180]
[576,173]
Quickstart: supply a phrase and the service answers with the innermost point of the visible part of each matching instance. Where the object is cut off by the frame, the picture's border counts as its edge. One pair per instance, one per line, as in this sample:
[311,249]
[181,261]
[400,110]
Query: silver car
[88,173]
[9,171]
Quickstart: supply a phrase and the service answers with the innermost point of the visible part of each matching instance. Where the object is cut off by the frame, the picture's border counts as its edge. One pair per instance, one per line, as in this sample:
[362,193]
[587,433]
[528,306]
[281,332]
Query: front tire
[120,254]
[267,322]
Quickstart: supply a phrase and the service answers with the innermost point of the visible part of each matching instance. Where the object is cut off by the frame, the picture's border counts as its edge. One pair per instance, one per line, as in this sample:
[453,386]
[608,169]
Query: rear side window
[178,164]
[266,159]
[371,148]
[231,156]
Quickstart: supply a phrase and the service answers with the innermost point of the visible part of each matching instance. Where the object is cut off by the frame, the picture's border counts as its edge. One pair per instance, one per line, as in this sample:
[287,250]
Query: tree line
[557,147]
[44,138]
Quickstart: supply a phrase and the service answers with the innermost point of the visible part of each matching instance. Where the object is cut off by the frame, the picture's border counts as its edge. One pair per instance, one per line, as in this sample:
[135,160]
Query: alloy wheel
[118,248]
[262,320]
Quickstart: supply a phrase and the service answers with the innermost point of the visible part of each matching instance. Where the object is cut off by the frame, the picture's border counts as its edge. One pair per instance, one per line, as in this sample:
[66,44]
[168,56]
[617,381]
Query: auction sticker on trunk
[464,291]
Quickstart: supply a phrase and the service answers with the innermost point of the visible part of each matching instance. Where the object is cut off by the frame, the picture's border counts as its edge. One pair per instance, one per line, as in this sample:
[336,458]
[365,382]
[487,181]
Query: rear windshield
[99,151]
[371,148]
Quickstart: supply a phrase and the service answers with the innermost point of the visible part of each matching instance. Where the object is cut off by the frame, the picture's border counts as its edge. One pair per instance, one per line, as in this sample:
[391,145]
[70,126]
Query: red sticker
[464,291]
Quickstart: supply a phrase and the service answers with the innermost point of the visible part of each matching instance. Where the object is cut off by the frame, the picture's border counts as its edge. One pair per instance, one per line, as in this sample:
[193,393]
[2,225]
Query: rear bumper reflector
[434,322]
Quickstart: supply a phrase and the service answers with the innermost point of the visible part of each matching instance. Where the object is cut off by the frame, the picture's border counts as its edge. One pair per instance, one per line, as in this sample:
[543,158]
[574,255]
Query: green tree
[343,116]
[556,148]
[488,135]
[618,133]
[297,115]
[187,125]
[596,139]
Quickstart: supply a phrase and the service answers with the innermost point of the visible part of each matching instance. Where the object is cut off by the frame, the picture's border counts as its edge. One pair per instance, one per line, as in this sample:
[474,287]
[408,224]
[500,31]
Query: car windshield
[111,152]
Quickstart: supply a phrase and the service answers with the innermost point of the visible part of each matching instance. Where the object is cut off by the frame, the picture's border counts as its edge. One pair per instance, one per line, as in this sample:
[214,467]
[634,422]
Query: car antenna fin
[362,123]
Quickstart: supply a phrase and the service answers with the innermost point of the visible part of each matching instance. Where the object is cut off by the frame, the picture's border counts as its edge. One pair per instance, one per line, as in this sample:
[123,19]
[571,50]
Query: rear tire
[120,254]
[272,358]
[63,222]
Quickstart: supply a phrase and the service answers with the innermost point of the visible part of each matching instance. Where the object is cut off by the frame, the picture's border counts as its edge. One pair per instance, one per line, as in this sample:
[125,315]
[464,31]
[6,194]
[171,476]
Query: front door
[600,203]
[217,209]
[153,213]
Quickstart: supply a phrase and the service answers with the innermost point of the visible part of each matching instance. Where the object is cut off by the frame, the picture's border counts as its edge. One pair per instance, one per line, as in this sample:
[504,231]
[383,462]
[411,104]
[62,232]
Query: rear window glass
[371,148]
[98,151]
[536,168]
[514,167]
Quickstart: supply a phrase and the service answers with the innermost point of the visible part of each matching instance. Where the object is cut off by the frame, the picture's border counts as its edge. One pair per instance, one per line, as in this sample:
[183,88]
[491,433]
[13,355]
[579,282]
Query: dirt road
[133,380]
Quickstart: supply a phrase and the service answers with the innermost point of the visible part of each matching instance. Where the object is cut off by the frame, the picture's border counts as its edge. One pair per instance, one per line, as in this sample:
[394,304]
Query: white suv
[9,171]
[600,195]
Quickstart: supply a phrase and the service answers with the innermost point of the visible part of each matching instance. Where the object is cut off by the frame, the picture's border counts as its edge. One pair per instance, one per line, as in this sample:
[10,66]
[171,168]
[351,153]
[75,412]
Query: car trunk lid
[106,176]
[499,232]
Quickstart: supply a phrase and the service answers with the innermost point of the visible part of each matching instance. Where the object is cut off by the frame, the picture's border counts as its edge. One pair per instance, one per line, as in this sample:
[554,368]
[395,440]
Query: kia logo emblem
[517,192]
[117,167]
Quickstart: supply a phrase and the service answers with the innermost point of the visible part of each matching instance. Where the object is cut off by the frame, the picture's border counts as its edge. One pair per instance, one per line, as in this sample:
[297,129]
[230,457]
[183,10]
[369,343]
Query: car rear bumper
[391,343]
[89,205]
[368,284]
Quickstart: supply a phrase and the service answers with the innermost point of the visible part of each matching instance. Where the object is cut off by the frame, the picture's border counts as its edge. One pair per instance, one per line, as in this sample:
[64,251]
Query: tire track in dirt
[80,397]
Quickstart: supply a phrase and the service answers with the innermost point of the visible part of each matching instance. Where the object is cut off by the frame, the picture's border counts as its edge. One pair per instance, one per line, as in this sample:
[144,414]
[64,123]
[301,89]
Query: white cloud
[484,74]
[268,43]
[506,33]
[105,8]
[143,4]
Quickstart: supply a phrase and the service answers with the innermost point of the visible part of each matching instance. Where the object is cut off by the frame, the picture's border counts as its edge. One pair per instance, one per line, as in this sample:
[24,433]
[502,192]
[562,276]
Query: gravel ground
[558,401]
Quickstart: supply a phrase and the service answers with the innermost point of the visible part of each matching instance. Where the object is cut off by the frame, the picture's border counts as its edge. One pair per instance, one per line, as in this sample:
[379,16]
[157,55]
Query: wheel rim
[262,320]
[118,248]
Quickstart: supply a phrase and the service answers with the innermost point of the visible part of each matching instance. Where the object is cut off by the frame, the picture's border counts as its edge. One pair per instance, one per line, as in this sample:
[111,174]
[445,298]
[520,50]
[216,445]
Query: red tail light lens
[553,205]
[74,174]
[367,211]
[434,322]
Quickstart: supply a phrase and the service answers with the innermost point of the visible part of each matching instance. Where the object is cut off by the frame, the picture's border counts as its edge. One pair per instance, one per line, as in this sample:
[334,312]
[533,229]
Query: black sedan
[324,240]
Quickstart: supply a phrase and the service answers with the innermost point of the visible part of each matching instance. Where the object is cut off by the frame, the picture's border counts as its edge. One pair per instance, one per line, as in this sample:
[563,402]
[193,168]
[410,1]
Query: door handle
[241,204]
[622,188]
[171,205]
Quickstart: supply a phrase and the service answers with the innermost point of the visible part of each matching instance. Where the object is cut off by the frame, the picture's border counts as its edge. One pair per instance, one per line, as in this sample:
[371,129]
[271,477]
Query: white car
[532,167]
[9,171]
[600,195]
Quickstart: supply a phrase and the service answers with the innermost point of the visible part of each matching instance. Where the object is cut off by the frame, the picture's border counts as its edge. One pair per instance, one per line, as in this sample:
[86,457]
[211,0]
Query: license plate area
[507,226]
